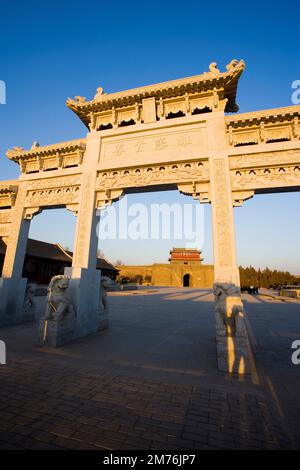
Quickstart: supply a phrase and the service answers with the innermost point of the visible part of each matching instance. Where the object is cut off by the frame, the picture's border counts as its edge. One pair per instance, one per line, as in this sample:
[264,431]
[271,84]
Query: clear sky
[51,50]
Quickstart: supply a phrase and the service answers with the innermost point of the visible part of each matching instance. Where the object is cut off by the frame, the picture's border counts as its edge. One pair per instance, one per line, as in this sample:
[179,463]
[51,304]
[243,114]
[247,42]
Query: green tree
[249,276]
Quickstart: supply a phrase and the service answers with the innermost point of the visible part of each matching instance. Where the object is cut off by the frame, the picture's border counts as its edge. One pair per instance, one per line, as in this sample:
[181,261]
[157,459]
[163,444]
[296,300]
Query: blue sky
[52,50]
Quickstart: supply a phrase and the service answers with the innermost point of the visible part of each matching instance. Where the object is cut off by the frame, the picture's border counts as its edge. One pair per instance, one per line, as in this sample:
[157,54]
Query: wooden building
[44,260]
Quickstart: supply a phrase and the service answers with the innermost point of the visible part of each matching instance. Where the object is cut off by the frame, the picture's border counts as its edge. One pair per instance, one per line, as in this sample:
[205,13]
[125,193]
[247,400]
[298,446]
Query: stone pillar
[85,280]
[233,347]
[225,264]
[12,285]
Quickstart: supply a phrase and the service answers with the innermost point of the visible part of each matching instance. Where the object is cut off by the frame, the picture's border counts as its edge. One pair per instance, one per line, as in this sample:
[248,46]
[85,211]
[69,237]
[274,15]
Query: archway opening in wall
[273,254]
[50,245]
[268,232]
[187,280]
[139,231]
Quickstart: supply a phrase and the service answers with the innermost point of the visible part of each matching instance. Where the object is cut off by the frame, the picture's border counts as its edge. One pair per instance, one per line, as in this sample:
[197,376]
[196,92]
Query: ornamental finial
[35,145]
[99,93]
[232,65]
[213,68]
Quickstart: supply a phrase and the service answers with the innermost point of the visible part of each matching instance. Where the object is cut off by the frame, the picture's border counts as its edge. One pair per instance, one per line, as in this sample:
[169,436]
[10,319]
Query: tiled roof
[207,80]
[39,249]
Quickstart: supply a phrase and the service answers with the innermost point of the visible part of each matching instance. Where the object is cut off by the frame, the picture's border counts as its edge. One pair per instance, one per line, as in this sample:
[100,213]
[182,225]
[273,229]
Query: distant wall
[132,271]
[295,293]
[201,276]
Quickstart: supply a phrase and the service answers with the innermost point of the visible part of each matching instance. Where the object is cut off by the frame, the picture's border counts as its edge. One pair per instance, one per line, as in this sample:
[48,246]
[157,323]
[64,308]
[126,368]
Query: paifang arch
[169,135]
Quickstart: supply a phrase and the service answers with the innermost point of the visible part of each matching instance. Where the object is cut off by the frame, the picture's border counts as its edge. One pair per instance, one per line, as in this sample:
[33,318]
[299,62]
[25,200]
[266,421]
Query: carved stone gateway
[169,135]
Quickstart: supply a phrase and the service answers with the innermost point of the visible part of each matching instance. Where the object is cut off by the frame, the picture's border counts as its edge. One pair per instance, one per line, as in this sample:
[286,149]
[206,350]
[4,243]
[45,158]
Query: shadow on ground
[150,382]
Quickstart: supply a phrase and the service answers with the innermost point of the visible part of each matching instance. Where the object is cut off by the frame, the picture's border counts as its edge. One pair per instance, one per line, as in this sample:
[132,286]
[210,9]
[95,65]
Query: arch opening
[186,281]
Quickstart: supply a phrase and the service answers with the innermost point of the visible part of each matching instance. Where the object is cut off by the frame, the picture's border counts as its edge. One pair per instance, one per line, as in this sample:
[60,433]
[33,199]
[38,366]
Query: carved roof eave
[275,114]
[207,81]
[9,187]
[17,153]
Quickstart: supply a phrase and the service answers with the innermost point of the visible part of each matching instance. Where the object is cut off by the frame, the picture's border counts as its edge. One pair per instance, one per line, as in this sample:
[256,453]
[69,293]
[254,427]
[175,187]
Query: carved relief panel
[53,191]
[153,175]
[221,214]
[266,178]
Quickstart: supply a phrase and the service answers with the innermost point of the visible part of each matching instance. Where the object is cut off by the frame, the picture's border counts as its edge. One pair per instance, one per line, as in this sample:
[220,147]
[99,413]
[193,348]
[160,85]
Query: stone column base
[12,308]
[57,333]
[233,345]
[87,315]
[86,298]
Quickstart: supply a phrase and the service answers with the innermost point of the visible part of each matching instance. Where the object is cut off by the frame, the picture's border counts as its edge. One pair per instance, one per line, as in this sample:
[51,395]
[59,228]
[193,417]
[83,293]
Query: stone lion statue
[228,305]
[58,303]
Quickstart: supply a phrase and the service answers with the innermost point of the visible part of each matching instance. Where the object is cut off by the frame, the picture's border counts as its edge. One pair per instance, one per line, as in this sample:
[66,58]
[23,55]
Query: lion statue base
[233,347]
[57,327]
[229,308]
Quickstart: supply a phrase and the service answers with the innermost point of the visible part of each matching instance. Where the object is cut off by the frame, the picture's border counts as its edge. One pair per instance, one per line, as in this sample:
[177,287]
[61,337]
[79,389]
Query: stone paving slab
[149,382]
[57,407]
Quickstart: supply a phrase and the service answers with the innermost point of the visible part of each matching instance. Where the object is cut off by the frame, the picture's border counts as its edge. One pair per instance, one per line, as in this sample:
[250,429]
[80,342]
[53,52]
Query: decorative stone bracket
[199,191]
[107,197]
[239,197]
[30,212]
[74,208]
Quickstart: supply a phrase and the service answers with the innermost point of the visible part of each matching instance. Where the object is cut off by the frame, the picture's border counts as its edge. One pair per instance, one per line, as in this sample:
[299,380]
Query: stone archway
[187,280]
[198,151]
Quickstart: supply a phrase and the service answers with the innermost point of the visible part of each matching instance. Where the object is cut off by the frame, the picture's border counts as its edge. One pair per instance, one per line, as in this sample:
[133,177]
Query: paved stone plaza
[151,381]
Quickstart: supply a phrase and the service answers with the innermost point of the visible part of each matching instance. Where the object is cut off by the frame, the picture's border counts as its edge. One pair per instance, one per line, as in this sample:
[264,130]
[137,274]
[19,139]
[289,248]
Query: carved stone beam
[239,197]
[107,197]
